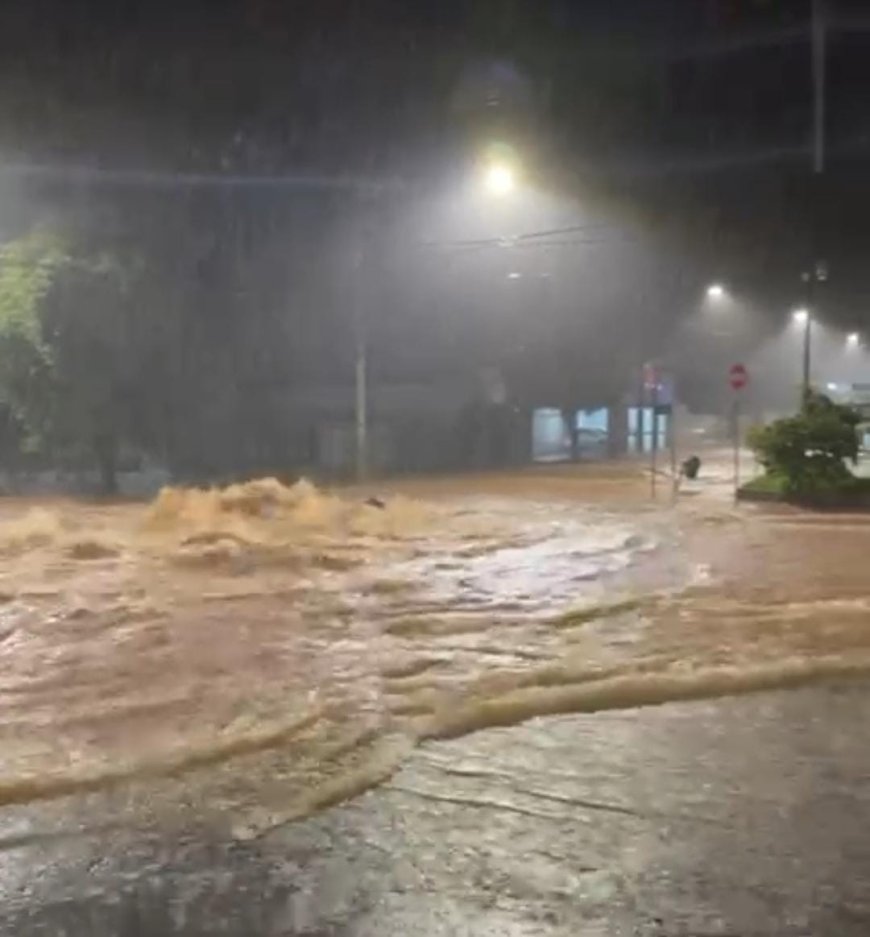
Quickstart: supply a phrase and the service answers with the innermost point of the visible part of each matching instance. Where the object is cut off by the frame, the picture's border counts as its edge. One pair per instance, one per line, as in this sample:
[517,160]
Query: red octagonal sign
[738,376]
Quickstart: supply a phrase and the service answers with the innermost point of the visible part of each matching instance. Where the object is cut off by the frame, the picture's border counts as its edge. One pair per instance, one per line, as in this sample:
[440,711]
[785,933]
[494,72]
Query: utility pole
[817,272]
[367,273]
[360,324]
[819,52]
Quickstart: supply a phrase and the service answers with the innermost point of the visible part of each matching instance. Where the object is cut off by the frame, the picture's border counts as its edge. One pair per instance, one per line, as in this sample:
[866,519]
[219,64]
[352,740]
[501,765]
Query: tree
[809,451]
[66,349]
[28,268]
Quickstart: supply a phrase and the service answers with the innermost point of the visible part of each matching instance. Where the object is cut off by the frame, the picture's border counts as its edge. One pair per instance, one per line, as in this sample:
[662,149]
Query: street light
[715,291]
[800,316]
[499,179]
[852,340]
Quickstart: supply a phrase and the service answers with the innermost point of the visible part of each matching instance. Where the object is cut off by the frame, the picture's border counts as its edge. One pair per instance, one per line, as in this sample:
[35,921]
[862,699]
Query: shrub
[810,450]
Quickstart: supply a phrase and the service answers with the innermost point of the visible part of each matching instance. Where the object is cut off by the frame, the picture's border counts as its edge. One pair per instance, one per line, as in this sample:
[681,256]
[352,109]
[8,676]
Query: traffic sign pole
[738,378]
[655,439]
[650,382]
[672,425]
[736,442]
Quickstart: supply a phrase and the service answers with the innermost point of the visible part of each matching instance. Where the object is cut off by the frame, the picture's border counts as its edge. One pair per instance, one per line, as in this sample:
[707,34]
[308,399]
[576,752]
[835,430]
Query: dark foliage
[810,451]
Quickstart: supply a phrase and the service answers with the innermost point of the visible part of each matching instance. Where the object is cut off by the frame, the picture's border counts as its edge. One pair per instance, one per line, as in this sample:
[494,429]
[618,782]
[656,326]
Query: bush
[809,451]
[766,484]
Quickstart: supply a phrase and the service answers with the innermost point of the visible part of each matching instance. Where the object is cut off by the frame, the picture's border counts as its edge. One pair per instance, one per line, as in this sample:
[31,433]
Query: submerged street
[507,704]
[434,469]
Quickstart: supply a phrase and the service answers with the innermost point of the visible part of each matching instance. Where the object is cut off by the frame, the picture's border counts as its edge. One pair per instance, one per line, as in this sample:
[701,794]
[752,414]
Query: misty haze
[434,468]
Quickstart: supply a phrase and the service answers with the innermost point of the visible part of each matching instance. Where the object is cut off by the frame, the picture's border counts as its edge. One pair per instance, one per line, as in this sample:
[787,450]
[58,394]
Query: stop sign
[738,376]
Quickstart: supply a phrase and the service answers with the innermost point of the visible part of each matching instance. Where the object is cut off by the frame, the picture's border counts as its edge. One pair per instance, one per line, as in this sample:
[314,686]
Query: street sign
[738,376]
[657,404]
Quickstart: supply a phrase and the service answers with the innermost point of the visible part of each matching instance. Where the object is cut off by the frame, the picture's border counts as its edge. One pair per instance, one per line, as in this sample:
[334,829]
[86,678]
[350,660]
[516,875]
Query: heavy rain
[433,469]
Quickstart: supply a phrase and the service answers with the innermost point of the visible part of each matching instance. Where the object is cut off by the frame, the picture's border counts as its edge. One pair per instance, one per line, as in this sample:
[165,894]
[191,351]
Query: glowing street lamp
[715,291]
[801,317]
[499,179]
[852,340]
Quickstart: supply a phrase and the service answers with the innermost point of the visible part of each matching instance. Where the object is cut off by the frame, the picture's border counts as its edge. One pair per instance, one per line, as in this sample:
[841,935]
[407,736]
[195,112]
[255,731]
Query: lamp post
[818,271]
[367,265]
[804,320]
[807,352]
[360,326]
[811,278]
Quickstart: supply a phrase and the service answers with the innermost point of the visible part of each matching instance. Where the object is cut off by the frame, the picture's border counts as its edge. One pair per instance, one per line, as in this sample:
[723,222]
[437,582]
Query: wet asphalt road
[741,816]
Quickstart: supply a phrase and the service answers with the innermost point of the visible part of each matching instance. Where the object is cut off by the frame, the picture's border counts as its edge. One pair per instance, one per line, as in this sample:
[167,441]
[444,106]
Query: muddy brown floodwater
[334,633]
[236,660]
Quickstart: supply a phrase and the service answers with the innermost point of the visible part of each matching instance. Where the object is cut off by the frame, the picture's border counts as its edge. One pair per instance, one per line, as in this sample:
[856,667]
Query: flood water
[206,675]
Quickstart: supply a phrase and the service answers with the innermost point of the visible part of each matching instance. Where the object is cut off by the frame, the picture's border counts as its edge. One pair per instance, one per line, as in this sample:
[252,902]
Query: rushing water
[269,651]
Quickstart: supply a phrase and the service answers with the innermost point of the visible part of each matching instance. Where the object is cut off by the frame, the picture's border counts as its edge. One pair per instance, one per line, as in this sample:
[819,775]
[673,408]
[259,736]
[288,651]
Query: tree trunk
[106,451]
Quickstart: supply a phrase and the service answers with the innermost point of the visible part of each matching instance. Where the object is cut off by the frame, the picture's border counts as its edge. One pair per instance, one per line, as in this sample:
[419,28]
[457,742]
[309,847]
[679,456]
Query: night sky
[688,120]
[178,80]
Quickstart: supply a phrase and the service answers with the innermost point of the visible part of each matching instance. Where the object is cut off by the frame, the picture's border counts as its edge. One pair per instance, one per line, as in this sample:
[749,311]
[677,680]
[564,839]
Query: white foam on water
[545,563]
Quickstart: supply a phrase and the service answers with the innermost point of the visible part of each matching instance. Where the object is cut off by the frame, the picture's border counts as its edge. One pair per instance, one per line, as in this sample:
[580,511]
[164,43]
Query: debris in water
[91,548]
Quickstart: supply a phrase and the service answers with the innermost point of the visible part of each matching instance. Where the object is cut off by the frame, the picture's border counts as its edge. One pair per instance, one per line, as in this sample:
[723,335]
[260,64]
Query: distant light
[715,291]
[831,386]
[513,275]
[499,179]
[852,339]
[801,316]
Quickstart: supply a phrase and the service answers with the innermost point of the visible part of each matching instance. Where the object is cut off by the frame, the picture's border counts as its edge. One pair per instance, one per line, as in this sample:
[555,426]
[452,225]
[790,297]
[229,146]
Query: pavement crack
[620,809]
[480,804]
[507,779]
[585,804]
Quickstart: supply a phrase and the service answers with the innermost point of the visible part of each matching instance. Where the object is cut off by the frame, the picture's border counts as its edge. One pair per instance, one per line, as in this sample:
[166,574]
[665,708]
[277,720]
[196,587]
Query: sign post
[650,386]
[738,378]
[672,424]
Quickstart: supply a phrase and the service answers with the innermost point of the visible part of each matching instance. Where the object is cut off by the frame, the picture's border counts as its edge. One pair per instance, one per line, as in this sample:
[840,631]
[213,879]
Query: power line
[171,179]
[774,38]
[761,39]
[465,249]
[517,240]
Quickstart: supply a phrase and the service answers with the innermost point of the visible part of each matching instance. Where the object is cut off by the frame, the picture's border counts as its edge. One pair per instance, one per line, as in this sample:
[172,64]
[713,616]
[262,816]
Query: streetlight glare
[800,316]
[715,291]
[852,339]
[500,179]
